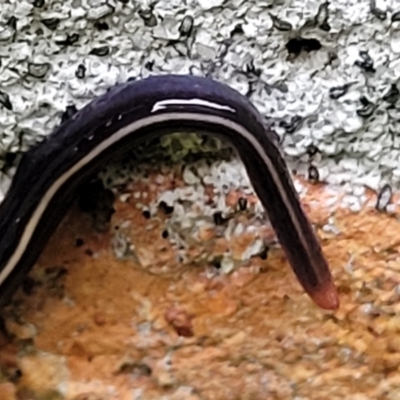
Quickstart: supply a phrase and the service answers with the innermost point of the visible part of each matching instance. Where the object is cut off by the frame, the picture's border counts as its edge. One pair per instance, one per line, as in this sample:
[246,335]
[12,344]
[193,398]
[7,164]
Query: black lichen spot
[101,51]
[14,374]
[149,65]
[322,17]
[186,26]
[250,69]
[311,45]
[313,174]
[291,126]
[165,208]
[148,17]
[80,71]
[79,242]
[332,57]
[5,101]
[69,41]
[367,108]
[124,1]
[134,368]
[338,91]
[12,23]
[392,95]
[264,253]
[216,262]
[280,24]
[242,203]
[377,12]
[45,105]
[395,16]
[146,214]
[312,150]
[101,26]
[237,30]
[325,26]
[380,14]
[281,86]
[38,70]
[72,39]
[384,198]
[366,63]
[164,234]
[68,113]
[51,23]
[296,45]
[218,218]
[38,3]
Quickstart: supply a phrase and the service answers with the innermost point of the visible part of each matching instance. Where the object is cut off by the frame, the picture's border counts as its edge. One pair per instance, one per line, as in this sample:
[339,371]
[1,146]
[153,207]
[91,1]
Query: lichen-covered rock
[324,74]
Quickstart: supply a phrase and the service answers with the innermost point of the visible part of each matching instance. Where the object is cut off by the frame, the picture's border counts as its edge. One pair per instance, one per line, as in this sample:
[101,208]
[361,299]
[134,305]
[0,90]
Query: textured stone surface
[176,299]
[160,321]
[341,98]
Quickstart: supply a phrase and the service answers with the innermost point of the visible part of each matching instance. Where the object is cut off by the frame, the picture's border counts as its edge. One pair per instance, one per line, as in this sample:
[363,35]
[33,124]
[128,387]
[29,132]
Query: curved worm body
[49,174]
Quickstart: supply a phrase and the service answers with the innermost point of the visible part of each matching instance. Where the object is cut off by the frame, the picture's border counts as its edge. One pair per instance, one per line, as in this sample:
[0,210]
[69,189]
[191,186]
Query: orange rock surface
[102,328]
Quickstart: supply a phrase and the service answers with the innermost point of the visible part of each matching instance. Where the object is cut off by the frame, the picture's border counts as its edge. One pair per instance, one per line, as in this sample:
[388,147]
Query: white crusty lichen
[341,98]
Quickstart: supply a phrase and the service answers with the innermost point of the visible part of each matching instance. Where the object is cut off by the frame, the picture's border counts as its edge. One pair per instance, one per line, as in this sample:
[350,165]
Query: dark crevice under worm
[50,174]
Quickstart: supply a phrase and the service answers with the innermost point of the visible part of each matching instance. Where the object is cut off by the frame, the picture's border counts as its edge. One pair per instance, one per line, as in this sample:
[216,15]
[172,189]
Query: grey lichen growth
[66,53]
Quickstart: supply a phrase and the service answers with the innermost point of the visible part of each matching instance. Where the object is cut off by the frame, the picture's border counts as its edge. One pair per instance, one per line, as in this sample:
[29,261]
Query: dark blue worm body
[49,175]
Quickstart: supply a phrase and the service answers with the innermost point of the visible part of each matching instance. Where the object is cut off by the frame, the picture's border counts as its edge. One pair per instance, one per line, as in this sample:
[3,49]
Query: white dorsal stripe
[163,104]
[122,133]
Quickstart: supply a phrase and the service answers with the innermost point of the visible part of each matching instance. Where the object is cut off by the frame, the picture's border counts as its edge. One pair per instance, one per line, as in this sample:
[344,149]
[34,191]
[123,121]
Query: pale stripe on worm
[49,174]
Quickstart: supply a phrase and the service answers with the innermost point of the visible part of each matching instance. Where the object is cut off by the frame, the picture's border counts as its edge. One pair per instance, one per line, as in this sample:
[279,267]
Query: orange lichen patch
[8,391]
[42,372]
[98,326]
